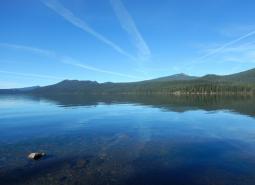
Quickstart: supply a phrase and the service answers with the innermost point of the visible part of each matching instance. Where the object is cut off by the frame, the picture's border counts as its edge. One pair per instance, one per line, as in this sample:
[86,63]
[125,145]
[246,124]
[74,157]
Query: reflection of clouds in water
[144,132]
[110,111]
[221,125]
[135,137]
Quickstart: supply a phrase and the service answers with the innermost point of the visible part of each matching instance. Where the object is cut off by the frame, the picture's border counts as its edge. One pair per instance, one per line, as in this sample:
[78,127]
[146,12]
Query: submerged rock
[36,155]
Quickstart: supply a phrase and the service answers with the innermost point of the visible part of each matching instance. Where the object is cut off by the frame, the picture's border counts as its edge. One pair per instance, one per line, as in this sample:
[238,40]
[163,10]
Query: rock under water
[36,155]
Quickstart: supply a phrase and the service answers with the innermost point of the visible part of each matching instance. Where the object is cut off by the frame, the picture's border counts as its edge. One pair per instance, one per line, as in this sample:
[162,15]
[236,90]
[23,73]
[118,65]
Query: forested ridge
[242,83]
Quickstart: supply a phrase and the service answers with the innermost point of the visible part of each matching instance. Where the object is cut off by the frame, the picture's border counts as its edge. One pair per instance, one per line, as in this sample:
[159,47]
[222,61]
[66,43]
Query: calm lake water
[128,140]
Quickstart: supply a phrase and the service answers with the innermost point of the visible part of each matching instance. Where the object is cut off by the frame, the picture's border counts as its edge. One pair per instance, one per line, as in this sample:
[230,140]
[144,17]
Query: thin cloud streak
[70,17]
[73,63]
[27,48]
[225,46]
[64,59]
[31,75]
[129,26]
[242,54]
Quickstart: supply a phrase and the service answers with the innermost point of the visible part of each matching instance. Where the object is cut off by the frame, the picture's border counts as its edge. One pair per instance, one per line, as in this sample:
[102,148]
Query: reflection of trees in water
[241,104]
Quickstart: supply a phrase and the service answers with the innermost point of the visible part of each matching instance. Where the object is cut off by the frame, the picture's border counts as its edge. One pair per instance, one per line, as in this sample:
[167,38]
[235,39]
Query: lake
[128,140]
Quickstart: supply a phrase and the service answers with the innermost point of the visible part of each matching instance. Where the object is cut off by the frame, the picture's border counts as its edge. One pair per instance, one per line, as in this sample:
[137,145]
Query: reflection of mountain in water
[242,105]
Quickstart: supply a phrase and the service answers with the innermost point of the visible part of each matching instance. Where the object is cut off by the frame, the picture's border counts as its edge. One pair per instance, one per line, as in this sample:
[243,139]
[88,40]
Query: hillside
[18,90]
[239,83]
[176,77]
[242,77]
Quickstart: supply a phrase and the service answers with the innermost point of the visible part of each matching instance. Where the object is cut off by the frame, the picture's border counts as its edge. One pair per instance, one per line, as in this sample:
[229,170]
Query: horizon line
[129,81]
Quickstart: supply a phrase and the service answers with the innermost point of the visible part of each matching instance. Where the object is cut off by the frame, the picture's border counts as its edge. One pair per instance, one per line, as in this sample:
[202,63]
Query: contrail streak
[27,48]
[31,75]
[64,59]
[129,26]
[220,49]
[98,70]
[70,17]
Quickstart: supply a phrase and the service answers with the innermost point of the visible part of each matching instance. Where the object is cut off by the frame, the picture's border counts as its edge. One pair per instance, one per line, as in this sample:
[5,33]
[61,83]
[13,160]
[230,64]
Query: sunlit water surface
[128,143]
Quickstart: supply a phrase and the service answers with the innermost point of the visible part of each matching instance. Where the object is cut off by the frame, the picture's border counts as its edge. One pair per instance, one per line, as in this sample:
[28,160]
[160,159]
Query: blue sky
[45,41]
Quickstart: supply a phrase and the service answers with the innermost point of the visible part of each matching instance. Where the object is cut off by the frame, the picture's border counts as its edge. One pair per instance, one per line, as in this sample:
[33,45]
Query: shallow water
[128,140]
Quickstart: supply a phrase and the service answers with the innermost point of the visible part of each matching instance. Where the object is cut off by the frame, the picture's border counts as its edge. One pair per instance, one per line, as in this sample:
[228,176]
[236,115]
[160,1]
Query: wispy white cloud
[65,59]
[243,53]
[235,30]
[70,17]
[31,75]
[27,48]
[239,48]
[129,26]
[8,84]
[224,47]
[73,62]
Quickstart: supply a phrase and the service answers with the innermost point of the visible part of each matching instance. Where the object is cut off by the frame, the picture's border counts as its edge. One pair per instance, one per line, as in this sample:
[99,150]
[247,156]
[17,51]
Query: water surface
[128,140]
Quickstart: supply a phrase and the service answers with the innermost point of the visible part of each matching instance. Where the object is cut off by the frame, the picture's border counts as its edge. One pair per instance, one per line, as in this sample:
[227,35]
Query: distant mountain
[239,83]
[68,86]
[176,77]
[25,89]
[18,90]
[242,77]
